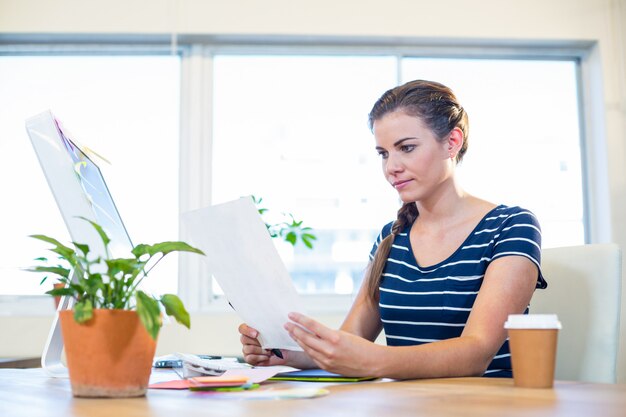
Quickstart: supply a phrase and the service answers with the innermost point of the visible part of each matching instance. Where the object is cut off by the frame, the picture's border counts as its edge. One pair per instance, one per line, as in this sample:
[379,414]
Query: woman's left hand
[335,350]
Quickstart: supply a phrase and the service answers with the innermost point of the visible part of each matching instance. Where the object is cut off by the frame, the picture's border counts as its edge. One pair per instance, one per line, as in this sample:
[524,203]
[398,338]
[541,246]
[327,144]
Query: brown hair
[437,106]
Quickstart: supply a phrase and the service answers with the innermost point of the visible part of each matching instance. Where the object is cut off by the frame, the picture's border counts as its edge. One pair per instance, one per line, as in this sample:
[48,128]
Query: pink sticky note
[175,384]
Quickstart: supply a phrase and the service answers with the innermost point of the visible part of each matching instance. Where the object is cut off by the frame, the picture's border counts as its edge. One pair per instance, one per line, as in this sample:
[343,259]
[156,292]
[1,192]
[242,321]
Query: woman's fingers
[317,340]
[254,354]
[246,340]
[257,360]
[248,331]
[311,325]
[306,339]
[251,348]
[254,350]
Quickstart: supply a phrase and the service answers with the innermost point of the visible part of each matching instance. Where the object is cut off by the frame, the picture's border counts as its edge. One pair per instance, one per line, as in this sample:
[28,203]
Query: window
[292,129]
[287,125]
[126,108]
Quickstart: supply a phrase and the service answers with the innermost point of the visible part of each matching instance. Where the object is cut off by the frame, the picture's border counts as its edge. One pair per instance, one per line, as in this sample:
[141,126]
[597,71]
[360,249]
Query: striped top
[426,304]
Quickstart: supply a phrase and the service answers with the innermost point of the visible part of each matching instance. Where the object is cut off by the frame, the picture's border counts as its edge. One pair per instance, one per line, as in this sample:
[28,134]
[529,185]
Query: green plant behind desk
[290,230]
[112,283]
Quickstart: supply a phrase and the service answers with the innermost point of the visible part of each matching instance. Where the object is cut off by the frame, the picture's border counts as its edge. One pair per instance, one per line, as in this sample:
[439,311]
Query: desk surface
[30,393]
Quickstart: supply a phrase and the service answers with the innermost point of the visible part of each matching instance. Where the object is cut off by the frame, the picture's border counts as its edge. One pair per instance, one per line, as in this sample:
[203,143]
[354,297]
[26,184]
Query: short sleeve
[520,235]
[386,231]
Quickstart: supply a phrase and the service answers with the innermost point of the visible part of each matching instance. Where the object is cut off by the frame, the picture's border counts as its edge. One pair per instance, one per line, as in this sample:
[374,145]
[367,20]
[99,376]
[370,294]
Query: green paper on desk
[244,387]
[317,375]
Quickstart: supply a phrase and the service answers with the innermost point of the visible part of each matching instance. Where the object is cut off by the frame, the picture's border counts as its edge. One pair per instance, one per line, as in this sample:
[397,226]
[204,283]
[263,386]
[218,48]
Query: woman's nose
[392,165]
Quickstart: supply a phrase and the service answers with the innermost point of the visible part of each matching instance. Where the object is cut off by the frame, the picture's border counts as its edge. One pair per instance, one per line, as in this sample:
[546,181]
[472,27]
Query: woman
[443,277]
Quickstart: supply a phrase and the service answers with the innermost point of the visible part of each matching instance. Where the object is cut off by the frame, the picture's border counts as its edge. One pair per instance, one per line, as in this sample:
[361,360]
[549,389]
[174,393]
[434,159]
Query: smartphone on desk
[177,363]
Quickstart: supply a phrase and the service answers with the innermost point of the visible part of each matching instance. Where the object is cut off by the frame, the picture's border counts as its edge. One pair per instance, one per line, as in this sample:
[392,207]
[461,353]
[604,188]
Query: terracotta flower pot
[109,356]
[57,298]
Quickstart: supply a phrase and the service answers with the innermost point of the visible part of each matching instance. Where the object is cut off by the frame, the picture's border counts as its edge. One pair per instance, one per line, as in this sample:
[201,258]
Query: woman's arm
[363,319]
[507,289]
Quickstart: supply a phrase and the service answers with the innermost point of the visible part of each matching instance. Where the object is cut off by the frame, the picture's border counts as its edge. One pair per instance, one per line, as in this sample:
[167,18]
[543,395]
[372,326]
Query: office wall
[211,334]
[602,21]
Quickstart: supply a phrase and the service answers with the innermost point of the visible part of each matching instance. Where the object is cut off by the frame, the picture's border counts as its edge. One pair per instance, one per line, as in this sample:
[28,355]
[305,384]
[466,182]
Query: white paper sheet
[244,261]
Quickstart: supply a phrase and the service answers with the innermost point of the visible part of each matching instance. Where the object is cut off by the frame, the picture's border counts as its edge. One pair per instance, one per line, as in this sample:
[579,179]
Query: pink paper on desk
[255,375]
[175,384]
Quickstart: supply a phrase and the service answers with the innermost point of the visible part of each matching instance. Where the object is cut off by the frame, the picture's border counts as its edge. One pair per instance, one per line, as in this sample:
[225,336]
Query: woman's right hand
[255,355]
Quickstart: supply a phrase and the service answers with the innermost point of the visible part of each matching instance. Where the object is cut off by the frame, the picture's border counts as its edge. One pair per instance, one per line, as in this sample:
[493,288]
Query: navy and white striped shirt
[426,304]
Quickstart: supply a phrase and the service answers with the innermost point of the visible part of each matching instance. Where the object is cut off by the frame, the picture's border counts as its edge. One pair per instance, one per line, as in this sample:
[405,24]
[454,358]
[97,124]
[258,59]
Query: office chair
[584,289]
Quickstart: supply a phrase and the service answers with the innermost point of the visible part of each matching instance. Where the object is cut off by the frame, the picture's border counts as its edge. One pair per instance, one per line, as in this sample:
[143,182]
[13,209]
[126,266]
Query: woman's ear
[455,142]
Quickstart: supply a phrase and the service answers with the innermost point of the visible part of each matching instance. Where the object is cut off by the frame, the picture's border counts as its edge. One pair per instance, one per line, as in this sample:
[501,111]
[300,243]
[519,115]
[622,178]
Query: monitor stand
[53,350]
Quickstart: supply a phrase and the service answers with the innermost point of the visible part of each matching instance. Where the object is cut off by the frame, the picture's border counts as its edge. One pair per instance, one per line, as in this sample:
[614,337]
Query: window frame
[196,122]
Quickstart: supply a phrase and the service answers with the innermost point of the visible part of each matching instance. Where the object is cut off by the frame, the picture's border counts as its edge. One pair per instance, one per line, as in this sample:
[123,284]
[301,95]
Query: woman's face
[414,162]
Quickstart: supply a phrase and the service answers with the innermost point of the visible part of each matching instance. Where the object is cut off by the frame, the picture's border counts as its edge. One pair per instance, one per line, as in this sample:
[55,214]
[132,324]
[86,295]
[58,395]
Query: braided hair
[437,106]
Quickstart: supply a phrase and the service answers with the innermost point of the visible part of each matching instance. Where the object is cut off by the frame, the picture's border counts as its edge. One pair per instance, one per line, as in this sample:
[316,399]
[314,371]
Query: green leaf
[61,249]
[164,248]
[82,247]
[58,270]
[124,265]
[83,311]
[307,239]
[100,230]
[291,237]
[61,291]
[92,284]
[174,307]
[149,313]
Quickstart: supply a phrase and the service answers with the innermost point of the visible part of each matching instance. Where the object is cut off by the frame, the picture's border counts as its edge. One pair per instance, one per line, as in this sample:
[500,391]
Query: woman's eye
[407,148]
[383,154]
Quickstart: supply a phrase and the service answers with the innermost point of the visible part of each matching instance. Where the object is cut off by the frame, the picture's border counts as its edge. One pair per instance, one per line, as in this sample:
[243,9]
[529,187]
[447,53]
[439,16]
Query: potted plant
[110,334]
[290,230]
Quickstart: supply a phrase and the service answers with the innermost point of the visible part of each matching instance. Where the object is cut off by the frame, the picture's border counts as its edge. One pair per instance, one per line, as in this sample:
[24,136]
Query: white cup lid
[532,321]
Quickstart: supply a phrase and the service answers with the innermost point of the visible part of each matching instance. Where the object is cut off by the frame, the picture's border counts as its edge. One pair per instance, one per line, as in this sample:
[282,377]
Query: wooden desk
[30,393]
[20,363]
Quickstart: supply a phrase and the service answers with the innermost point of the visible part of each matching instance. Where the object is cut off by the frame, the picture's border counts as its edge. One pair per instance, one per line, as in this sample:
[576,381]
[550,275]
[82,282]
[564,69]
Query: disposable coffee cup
[532,340]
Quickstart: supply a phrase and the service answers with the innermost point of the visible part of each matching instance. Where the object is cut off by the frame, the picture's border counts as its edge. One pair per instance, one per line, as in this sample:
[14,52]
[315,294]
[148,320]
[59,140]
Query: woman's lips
[400,184]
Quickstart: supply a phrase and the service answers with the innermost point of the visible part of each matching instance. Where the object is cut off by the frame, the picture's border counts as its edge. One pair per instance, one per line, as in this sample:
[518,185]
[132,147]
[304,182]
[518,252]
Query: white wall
[602,21]
[214,334]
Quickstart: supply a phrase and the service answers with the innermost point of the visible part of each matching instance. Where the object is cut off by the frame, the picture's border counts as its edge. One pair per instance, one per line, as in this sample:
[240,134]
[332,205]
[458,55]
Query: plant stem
[145,273]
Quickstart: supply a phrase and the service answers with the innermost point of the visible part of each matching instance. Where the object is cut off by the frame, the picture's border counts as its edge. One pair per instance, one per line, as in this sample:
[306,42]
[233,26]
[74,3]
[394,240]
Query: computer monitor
[79,189]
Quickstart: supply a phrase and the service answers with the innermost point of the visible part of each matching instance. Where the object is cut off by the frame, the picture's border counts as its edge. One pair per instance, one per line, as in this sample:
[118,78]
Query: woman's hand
[335,350]
[255,355]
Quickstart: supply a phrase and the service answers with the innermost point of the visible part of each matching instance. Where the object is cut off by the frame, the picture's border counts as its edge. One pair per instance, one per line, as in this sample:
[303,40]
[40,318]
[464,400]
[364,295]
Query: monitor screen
[78,186]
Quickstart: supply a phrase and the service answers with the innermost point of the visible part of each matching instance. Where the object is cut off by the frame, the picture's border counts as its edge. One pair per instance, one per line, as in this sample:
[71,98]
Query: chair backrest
[584,289]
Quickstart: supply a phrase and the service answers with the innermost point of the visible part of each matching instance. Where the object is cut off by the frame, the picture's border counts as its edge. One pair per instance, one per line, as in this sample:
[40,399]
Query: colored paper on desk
[241,256]
[261,373]
[317,375]
[244,387]
[191,384]
[175,384]
[218,381]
